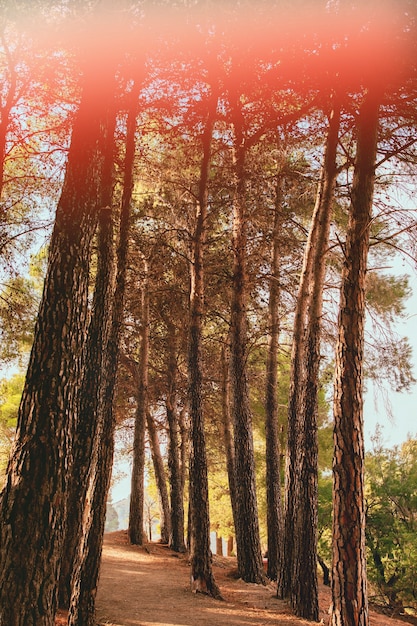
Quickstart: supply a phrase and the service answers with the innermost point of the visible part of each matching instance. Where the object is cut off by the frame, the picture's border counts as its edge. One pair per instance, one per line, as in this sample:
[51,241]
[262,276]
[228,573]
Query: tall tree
[247,524]
[349,581]
[88,425]
[87,567]
[275,519]
[201,570]
[33,504]
[301,455]
[136,511]
[304,585]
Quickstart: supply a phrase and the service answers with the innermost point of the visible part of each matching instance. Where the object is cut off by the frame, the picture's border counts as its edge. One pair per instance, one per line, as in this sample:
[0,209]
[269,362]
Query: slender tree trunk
[304,586]
[33,504]
[202,578]
[86,572]
[274,516]
[137,492]
[227,428]
[349,583]
[300,541]
[249,554]
[177,540]
[160,477]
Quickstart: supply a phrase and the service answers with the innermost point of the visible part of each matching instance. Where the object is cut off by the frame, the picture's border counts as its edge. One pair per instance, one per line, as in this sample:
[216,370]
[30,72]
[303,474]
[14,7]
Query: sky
[403,421]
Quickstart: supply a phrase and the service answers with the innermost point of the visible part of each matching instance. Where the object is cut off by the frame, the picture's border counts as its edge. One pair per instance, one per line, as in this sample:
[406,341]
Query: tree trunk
[87,428]
[274,515]
[177,540]
[202,578]
[33,505]
[227,428]
[349,584]
[300,526]
[160,478]
[304,586]
[137,492]
[249,554]
[86,571]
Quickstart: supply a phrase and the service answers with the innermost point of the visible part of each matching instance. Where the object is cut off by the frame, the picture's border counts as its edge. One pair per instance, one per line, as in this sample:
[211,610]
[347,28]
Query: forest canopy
[210,196]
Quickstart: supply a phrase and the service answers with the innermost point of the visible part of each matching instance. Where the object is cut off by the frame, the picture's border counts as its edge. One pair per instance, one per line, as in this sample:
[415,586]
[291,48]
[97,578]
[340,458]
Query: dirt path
[150,587]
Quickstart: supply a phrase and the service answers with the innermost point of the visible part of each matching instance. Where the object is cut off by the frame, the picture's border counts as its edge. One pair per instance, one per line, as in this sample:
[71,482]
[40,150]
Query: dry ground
[151,587]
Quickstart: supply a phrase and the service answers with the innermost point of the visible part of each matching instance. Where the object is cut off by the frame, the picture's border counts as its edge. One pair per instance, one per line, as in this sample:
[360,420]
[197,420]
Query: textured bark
[86,571]
[297,577]
[349,584]
[274,514]
[87,428]
[249,554]
[202,578]
[177,540]
[304,585]
[137,491]
[33,506]
[159,469]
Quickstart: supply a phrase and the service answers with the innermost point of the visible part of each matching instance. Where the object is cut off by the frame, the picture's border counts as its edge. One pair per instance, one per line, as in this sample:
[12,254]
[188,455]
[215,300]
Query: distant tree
[112,519]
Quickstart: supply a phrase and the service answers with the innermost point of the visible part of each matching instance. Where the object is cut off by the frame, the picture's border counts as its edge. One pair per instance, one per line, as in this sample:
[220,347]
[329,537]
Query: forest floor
[150,586]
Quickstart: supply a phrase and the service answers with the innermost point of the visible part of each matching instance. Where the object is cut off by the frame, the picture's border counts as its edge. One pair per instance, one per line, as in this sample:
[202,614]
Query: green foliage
[386,295]
[112,519]
[19,302]
[10,394]
[391,523]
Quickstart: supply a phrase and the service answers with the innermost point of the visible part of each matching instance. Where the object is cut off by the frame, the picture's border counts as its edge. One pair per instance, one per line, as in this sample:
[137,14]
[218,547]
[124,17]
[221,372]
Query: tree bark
[87,428]
[304,585]
[249,554]
[202,578]
[349,582]
[137,495]
[86,571]
[295,580]
[274,515]
[33,505]
[177,540]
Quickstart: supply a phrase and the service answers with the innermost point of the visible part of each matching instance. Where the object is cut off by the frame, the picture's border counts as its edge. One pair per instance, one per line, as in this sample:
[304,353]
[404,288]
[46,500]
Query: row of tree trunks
[202,578]
[349,584]
[34,502]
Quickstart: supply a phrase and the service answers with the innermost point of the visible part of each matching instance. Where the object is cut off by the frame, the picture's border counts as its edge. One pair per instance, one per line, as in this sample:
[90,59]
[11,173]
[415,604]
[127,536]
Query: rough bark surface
[87,427]
[33,505]
[349,582]
[202,578]
[304,584]
[87,568]
[249,554]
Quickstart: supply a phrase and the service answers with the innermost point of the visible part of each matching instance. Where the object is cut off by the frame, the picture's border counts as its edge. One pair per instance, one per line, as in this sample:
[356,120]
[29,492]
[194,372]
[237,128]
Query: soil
[150,586]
